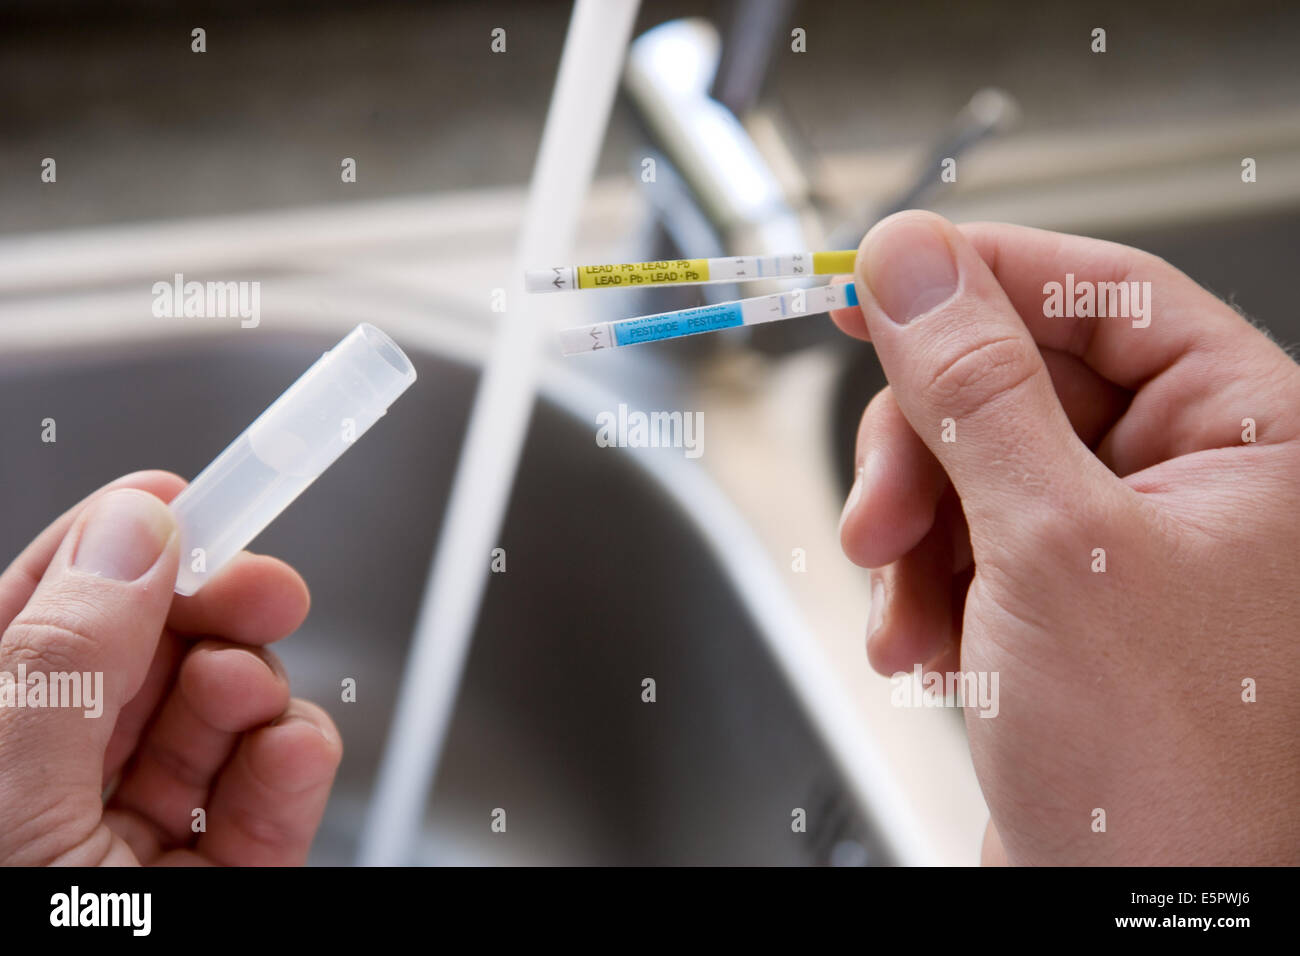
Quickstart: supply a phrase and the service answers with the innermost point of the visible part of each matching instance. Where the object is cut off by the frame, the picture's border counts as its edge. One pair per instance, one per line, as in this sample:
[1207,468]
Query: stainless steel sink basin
[607,582]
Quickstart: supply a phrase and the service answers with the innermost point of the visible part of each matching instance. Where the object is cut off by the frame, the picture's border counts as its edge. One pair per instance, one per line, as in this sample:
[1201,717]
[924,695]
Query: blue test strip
[708,318]
[671,325]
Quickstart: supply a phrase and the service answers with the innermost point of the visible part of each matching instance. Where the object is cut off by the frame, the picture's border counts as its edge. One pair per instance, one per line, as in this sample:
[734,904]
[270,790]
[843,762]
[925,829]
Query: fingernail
[877,614]
[855,494]
[123,536]
[909,268]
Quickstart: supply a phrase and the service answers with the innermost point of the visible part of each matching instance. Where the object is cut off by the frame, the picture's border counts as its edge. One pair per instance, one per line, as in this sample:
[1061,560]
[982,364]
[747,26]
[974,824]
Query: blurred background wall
[144,129]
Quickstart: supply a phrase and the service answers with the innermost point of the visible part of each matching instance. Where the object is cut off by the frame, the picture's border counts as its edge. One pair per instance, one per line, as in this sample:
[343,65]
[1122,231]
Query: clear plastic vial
[287,448]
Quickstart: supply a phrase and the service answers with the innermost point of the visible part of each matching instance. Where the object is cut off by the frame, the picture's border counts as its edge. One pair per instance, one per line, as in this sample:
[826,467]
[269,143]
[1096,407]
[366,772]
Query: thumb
[80,649]
[968,375]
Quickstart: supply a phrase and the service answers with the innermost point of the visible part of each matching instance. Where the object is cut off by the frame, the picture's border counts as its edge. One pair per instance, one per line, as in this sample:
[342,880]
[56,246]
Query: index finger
[1163,313]
[1166,312]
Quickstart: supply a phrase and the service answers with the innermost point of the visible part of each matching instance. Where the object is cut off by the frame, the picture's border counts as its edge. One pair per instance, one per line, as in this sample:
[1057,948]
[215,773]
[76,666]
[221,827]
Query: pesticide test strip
[289,446]
[707,318]
[631,275]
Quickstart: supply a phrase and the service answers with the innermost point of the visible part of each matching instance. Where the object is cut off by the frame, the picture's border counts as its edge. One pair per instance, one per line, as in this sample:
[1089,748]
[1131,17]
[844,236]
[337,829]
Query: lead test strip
[633,275]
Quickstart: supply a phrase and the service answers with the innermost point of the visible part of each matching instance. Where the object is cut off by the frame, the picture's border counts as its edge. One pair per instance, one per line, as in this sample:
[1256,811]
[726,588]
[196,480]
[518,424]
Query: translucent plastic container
[288,447]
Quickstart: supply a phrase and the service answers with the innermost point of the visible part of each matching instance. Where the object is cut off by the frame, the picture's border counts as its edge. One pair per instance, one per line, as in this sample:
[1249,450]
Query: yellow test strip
[834,263]
[631,275]
[627,274]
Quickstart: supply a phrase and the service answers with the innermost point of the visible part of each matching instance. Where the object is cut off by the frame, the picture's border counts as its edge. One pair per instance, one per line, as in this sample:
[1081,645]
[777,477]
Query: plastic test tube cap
[289,446]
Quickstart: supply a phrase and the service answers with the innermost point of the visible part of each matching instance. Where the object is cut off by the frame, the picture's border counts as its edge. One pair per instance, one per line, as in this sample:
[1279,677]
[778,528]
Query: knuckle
[59,641]
[982,375]
[1052,531]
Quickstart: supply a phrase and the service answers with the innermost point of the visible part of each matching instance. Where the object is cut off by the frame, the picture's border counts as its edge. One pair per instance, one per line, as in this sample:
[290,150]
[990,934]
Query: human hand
[196,713]
[1120,690]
